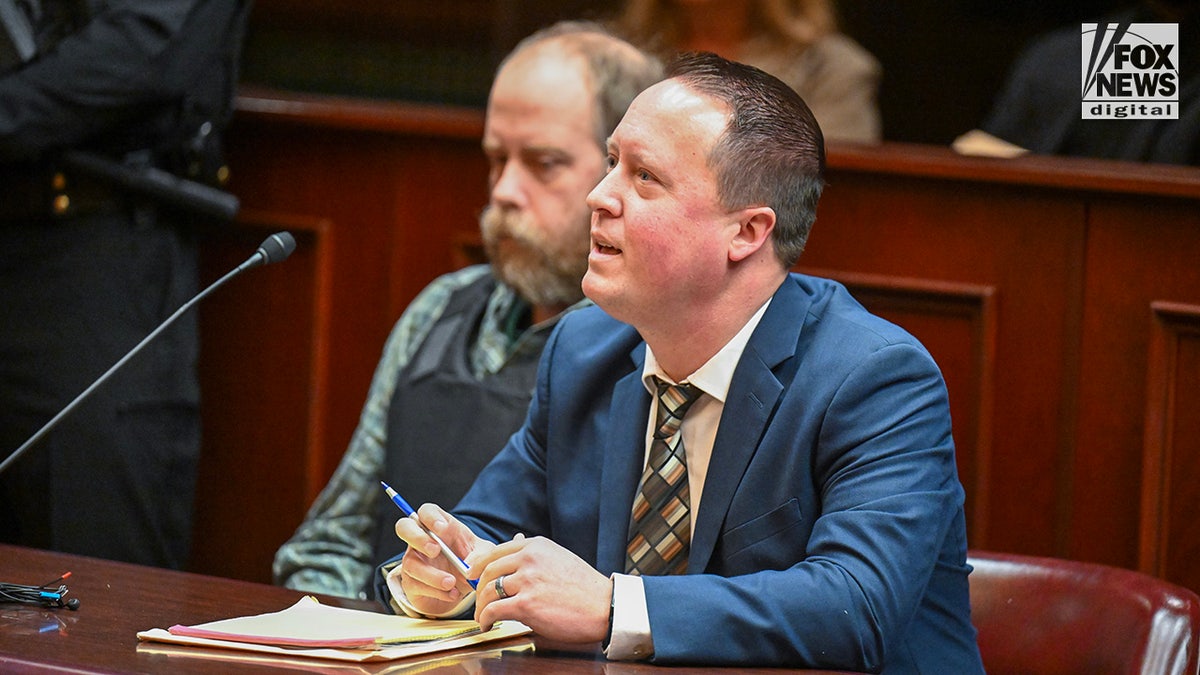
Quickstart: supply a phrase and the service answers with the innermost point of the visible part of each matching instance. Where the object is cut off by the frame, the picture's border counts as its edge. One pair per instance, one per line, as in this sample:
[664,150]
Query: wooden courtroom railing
[1060,297]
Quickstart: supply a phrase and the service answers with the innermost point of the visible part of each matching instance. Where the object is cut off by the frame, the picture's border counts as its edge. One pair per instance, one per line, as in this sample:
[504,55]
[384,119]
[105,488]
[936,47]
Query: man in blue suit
[809,495]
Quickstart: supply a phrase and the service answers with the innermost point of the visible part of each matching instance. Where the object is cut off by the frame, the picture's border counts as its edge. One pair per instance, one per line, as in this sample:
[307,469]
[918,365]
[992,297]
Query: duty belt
[37,191]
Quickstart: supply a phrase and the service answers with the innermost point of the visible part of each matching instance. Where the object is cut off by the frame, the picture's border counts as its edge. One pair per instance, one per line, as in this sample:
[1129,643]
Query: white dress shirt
[631,637]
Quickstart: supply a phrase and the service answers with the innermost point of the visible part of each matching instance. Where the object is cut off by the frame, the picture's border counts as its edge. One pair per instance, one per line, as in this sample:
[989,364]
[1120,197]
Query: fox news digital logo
[1130,71]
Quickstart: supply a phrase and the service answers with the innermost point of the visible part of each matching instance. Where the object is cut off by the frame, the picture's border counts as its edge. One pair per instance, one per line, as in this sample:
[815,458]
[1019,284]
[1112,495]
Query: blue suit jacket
[831,533]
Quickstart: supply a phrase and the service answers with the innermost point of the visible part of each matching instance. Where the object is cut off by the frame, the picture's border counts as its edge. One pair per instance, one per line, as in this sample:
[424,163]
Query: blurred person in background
[797,41]
[1038,109]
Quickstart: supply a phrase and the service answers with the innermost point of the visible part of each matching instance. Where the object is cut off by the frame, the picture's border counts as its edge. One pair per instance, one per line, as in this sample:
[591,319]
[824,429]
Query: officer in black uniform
[88,268]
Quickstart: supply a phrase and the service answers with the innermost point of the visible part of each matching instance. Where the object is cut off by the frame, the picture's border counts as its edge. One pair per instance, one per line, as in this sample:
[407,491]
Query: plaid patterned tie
[660,528]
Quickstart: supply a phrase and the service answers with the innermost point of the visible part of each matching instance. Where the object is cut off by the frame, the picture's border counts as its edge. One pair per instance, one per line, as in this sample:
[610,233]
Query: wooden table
[117,600]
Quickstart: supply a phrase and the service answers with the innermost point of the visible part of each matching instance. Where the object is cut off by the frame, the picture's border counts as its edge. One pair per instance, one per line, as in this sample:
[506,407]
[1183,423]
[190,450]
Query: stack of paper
[309,628]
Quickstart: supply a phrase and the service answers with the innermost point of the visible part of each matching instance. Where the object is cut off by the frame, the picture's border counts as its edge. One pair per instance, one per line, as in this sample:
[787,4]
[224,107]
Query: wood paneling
[264,378]
[1170,541]
[1139,254]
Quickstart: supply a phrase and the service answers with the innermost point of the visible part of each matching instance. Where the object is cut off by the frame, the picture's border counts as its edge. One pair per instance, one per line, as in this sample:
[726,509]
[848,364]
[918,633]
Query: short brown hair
[772,152]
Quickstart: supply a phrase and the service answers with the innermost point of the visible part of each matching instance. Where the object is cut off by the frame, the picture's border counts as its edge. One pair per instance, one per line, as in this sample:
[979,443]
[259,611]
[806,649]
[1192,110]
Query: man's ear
[755,225]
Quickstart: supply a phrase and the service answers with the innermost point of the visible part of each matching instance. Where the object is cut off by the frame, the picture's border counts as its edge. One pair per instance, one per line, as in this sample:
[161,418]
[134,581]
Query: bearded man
[458,369]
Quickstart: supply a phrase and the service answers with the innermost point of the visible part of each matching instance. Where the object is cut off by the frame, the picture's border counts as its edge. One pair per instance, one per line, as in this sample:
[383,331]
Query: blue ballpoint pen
[458,562]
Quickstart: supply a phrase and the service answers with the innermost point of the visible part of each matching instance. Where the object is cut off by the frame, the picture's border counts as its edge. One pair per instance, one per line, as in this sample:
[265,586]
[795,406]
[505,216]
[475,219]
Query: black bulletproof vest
[445,424]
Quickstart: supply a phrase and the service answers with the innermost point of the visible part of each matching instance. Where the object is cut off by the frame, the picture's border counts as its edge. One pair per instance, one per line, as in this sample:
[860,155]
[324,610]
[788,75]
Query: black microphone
[274,248]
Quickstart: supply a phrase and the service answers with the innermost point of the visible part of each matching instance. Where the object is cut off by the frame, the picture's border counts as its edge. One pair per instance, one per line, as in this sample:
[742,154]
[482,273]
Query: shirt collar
[715,376]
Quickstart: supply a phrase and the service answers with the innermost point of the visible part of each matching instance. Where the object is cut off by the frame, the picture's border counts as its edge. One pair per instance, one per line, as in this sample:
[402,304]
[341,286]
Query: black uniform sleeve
[112,78]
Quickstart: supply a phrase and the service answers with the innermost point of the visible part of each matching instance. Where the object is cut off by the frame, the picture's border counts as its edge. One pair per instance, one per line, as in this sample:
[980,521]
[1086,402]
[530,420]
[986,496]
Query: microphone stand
[274,249]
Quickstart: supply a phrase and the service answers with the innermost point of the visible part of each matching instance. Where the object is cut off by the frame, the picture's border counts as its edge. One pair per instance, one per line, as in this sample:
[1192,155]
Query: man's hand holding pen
[531,580]
[431,582]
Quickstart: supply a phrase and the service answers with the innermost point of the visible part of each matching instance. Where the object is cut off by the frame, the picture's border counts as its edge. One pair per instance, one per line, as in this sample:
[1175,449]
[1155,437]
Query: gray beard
[539,274]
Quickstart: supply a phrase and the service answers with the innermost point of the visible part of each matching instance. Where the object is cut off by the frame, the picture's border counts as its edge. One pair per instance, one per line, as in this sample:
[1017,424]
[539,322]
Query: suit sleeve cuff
[630,639]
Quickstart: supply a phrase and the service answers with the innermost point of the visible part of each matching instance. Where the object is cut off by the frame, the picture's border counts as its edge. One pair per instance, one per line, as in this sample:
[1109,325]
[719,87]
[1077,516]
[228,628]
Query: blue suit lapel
[751,402]
[624,454]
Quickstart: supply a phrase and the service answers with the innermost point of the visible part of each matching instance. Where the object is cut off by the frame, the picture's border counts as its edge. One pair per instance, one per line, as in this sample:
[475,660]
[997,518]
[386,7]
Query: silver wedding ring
[499,584]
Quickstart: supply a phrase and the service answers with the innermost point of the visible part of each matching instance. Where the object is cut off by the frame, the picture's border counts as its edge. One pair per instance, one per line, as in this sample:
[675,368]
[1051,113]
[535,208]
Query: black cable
[46,595]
